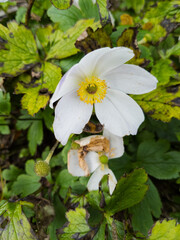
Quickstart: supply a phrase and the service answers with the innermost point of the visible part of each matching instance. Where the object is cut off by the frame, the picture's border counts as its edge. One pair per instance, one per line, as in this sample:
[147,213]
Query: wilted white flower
[101,80]
[91,154]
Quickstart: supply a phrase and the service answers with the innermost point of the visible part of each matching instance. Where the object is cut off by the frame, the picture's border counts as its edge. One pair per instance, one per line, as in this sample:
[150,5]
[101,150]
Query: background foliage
[39,41]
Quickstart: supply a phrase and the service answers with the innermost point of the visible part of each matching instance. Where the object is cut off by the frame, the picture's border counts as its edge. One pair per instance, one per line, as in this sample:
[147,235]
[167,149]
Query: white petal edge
[131,79]
[93,183]
[71,115]
[69,82]
[73,164]
[119,113]
[116,144]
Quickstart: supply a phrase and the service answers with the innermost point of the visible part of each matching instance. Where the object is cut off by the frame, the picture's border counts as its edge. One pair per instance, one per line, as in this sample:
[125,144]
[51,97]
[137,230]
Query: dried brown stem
[28,14]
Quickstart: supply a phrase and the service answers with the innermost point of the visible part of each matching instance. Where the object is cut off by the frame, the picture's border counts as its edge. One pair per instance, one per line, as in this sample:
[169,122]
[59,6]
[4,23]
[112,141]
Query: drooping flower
[91,154]
[101,79]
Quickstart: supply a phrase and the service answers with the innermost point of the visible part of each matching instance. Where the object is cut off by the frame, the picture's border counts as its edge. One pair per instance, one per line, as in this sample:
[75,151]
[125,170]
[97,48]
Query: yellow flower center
[92,90]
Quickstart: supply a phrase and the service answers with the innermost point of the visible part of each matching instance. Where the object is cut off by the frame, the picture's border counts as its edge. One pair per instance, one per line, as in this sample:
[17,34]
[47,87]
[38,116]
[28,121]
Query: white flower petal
[76,2]
[92,160]
[70,81]
[116,144]
[71,115]
[112,59]
[93,183]
[119,113]
[73,164]
[89,61]
[131,79]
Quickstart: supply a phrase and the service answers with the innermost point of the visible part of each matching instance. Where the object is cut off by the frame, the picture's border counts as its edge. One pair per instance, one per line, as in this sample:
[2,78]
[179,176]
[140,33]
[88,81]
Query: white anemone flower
[91,154]
[101,80]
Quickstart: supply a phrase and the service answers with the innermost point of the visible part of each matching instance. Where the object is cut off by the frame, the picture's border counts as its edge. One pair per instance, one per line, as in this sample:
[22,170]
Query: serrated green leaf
[159,163]
[162,70]
[27,183]
[62,44]
[129,191]
[162,103]
[37,91]
[18,227]
[19,51]
[77,224]
[150,206]
[61,4]
[165,230]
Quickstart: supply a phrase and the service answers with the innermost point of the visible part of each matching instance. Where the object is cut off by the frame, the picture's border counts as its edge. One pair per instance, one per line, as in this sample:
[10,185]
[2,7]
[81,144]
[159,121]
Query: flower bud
[103,159]
[41,168]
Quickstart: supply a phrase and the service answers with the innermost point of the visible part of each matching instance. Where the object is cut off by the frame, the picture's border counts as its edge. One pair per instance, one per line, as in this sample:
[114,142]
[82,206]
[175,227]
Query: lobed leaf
[18,51]
[77,224]
[129,191]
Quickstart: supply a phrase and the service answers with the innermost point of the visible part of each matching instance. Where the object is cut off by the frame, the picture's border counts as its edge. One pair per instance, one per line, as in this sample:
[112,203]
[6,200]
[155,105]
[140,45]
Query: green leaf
[103,11]
[155,159]
[65,180]
[101,232]
[61,4]
[37,91]
[150,206]
[162,103]
[175,50]
[18,227]
[19,51]
[94,199]
[12,173]
[27,183]
[129,191]
[162,70]
[165,230]
[62,44]
[5,104]
[35,136]
[137,5]
[77,224]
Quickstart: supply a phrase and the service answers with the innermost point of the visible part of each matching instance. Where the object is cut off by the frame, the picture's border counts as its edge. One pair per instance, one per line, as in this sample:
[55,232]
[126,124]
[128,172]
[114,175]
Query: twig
[28,14]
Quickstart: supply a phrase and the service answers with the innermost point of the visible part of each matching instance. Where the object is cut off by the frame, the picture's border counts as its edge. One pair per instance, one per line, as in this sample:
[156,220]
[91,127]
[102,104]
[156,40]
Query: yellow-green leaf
[77,224]
[166,230]
[18,227]
[163,71]
[37,91]
[18,51]
[62,44]
[61,4]
[162,103]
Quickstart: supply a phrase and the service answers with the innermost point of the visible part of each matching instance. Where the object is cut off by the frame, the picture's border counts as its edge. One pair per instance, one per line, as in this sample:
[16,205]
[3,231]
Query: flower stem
[28,13]
[51,152]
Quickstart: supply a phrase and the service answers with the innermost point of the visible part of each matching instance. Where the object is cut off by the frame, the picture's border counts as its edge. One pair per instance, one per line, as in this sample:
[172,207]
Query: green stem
[51,152]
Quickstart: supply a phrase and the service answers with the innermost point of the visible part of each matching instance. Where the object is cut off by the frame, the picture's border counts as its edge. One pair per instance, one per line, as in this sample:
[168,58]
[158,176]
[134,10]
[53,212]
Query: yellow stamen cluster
[92,90]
